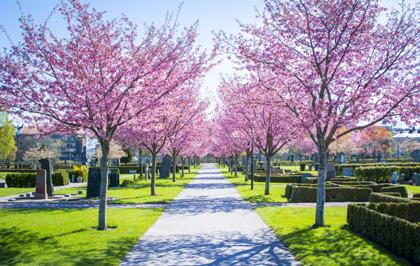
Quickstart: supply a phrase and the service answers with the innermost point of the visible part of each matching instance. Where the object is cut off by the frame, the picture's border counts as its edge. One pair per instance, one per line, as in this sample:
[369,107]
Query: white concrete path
[209,224]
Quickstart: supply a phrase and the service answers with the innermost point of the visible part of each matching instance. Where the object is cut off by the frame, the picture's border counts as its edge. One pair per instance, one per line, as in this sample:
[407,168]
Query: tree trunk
[140,161]
[246,166]
[146,174]
[236,166]
[182,167]
[174,167]
[153,179]
[268,175]
[320,198]
[103,197]
[189,165]
[252,170]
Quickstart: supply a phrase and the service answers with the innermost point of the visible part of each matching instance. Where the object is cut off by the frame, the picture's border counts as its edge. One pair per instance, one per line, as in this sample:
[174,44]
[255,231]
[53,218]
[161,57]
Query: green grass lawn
[4,174]
[257,194]
[297,168]
[139,192]
[68,237]
[412,189]
[333,245]
[10,191]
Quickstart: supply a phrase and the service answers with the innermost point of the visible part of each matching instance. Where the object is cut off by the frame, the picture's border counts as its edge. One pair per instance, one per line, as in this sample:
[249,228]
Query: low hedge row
[400,189]
[18,170]
[29,180]
[279,179]
[76,173]
[339,167]
[409,211]
[399,236]
[343,179]
[301,193]
[127,169]
[383,173]
[59,179]
[382,197]
[21,180]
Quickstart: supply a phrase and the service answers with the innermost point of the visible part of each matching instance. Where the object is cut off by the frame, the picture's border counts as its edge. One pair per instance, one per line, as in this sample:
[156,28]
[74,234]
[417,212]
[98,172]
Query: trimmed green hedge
[20,170]
[77,173]
[59,179]
[126,169]
[343,179]
[279,179]
[29,180]
[382,197]
[21,180]
[399,236]
[383,173]
[353,183]
[409,211]
[394,194]
[339,167]
[400,189]
[295,193]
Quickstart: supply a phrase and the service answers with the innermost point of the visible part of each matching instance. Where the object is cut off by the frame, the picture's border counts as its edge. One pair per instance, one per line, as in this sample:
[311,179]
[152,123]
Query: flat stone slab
[209,224]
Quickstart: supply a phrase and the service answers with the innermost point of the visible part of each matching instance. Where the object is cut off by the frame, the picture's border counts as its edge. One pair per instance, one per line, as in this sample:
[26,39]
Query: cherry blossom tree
[265,123]
[302,147]
[375,141]
[334,65]
[189,126]
[158,125]
[98,77]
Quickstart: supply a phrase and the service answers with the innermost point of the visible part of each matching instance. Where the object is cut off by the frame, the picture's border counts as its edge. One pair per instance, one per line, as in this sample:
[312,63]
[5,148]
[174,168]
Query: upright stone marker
[46,165]
[94,182]
[114,179]
[165,167]
[41,185]
[347,171]
[330,169]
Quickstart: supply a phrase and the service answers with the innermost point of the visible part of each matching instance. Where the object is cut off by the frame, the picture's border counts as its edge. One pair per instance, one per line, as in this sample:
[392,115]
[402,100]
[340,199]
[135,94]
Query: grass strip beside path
[332,245]
[139,192]
[68,237]
[277,190]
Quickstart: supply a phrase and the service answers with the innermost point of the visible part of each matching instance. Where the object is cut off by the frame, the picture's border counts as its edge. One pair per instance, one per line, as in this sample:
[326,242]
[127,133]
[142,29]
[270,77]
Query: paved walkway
[209,224]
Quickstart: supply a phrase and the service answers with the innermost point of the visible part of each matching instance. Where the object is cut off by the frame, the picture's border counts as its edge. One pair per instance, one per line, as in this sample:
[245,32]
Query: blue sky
[213,15]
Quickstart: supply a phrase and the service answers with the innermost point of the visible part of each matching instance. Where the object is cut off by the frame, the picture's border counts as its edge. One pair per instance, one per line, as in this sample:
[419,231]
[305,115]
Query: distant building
[72,148]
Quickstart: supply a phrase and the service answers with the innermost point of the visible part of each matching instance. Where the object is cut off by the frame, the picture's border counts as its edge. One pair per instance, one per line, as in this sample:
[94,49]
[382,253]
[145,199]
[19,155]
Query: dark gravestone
[114,179]
[417,179]
[302,167]
[347,171]
[2,185]
[94,182]
[165,167]
[46,165]
[316,166]
[330,169]
[41,185]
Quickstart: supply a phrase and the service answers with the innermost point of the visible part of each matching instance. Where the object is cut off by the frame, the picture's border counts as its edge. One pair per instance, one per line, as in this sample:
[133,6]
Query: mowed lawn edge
[257,194]
[69,236]
[136,193]
[334,244]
